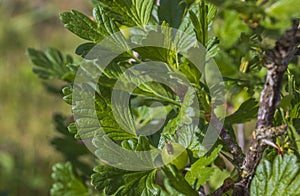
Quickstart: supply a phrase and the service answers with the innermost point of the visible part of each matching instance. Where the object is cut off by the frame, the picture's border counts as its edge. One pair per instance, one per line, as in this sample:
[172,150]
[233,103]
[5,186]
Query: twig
[276,62]
[235,149]
[227,185]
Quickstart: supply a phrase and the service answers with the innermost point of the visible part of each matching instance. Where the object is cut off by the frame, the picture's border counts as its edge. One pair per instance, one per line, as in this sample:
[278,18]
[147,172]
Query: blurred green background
[26,155]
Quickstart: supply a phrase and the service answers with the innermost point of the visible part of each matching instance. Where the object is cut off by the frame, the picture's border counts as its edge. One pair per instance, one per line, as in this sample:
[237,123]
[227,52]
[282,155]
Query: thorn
[270,143]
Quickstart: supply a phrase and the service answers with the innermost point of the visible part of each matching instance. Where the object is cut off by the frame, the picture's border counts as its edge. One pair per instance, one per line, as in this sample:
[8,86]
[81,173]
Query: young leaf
[161,36]
[175,180]
[247,111]
[94,31]
[129,12]
[189,137]
[108,28]
[51,64]
[201,18]
[200,172]
[66,183]
[67,91]
[186,113]
[185,38]
[81,25]
[190,71]
[282,177]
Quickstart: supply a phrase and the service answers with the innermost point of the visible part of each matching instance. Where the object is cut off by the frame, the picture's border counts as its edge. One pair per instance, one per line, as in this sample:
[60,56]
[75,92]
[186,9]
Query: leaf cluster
[169,110]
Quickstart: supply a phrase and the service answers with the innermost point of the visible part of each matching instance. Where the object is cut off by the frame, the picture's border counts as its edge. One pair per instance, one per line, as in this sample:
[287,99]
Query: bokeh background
[26,155]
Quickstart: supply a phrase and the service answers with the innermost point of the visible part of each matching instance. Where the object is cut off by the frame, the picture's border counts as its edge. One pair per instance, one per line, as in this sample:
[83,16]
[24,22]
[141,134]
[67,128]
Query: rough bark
[276,62]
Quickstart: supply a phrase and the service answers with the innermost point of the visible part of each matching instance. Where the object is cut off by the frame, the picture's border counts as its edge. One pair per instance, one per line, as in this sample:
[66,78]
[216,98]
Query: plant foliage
[237,47]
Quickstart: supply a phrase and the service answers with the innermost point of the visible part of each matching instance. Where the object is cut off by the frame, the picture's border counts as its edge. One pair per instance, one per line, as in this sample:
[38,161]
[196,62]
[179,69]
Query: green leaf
[184,38]
[157,54]
[126,182]
[110,125]
[83,49]
[72,128]
[294,136]
[247,111]
[149,118]
[187,113]
[51,64]
[81,25]
[189,136]
[284,9]
[295,111]
[95,31]
[67,91]
[133,154]
[201,18]
[147,88]
[66,182]
[108,28]
[199,172]
[161,36]
[175,180]
[217,177]
[190,71]
[129,12]
[123,182]
[282,177]
[212,47]
[87,104]
[171,12]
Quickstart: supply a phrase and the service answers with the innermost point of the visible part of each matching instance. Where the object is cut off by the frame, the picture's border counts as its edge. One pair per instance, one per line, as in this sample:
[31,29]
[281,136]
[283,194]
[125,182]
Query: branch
[227,185]
[235,149]
[276,62]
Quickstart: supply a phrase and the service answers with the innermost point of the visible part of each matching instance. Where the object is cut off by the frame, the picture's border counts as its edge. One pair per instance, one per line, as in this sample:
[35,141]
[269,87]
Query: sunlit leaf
[129,12]
[199,173]
[282,177]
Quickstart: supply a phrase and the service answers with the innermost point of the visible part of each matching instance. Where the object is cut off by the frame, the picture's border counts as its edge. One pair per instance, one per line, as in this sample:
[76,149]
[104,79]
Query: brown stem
[235,149]
[276,62]
[227,185]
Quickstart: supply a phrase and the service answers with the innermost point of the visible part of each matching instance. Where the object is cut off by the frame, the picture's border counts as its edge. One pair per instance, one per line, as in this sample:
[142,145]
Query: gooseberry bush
[160,90]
